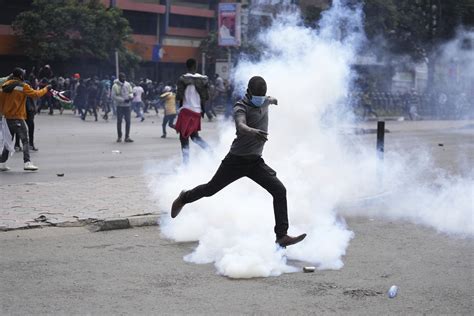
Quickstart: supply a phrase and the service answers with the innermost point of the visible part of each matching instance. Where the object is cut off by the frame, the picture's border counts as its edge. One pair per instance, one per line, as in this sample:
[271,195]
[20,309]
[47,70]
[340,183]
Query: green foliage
[414,27]
[65,29]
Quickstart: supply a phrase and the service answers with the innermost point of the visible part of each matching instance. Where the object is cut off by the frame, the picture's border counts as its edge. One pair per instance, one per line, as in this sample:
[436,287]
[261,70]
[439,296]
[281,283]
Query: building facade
[165,33]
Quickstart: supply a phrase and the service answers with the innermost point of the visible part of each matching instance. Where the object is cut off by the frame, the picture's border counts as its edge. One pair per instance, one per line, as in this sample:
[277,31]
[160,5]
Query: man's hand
[49,87]
[242,127]
[259,134]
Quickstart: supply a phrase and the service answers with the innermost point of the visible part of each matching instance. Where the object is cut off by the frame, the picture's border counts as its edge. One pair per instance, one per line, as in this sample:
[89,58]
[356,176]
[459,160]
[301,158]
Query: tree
[65,29]
[416,27]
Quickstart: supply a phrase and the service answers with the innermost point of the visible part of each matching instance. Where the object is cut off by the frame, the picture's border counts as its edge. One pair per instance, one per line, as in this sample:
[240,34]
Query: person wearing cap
[13,107]
[169,99]
[245,160]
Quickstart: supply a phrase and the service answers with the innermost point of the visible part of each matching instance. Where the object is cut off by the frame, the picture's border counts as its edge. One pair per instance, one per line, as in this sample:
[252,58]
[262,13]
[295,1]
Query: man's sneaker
[178,205]
[128,140]
[18,149]
[33,148]
[288,240]
[29,166]
[163,136]
[3,167]
[142,119]
[119,140]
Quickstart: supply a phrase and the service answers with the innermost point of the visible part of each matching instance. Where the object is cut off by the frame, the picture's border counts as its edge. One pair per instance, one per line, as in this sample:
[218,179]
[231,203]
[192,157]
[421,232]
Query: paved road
[99,184]
[70,271]
[73,271]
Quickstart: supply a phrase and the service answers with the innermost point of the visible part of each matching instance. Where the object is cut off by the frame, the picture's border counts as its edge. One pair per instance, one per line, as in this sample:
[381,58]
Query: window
[142,22]
[185,21]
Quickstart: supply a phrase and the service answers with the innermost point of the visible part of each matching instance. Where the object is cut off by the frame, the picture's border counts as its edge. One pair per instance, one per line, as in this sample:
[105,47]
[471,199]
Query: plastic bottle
[392,292]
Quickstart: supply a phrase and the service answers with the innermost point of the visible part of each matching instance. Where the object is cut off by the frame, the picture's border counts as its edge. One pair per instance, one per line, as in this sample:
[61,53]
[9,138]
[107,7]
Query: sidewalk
[73,203]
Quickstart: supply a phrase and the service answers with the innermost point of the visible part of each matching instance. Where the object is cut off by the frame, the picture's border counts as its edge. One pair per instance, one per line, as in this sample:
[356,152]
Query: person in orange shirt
[13,108]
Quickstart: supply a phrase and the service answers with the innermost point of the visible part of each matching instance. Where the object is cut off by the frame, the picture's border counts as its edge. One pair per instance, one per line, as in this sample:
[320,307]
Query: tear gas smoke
[309,73]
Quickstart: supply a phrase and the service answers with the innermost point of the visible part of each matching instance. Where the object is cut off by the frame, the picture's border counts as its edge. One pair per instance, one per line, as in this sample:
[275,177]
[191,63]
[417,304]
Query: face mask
[258,100]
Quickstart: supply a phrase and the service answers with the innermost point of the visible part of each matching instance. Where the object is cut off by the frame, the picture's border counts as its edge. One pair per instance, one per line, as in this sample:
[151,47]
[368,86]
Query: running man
[245,160]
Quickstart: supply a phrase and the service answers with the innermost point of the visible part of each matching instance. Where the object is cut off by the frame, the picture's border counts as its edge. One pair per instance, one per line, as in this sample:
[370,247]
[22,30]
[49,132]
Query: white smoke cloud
[309,73]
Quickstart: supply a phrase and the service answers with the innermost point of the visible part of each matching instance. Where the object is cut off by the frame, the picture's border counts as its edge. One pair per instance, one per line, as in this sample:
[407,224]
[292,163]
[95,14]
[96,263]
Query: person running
[245,160]
[13,107]
[170,109]
[122,95]
[191,95]
[137,102]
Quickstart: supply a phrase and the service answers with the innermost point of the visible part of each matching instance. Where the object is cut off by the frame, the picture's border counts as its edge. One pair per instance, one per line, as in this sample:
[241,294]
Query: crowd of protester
[109,96]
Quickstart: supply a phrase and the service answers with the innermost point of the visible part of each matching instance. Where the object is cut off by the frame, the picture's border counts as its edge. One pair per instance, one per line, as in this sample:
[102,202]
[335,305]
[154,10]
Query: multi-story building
[165,32]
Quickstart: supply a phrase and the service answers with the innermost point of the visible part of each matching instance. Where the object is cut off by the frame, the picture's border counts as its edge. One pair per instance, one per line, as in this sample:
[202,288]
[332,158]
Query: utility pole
[117,68]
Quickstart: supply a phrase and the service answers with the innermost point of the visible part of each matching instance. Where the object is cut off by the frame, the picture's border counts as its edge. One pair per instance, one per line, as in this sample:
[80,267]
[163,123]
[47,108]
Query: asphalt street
[72,271]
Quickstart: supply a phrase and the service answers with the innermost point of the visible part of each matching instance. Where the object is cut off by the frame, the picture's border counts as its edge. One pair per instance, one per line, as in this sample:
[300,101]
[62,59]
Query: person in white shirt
[191,96]
[137,102]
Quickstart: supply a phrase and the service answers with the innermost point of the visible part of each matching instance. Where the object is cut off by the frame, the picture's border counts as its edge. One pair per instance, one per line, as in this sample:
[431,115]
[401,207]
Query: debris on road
[392,292]
[360,293]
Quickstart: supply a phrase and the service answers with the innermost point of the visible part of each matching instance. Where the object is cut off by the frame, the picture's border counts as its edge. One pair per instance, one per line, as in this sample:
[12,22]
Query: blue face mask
[258,100]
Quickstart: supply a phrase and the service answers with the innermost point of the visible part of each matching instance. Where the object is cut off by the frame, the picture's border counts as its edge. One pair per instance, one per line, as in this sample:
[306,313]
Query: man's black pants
[18,128]
[123,112]
[235,167]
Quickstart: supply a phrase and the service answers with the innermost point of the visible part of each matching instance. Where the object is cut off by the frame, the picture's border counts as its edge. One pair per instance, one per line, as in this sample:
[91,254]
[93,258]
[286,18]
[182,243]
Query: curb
[123,223]
[96,225]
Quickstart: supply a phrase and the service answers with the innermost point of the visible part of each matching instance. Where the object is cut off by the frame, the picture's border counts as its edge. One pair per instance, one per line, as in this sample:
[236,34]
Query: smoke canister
[392,292]
[309,269]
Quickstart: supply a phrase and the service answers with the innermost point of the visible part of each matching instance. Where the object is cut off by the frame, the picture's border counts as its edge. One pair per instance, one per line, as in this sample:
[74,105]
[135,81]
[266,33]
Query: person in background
[170,109]
[80,98]
[30,122]
[91,100]
[122,95]
[413,105]
[13,107]
[192,95]
[137,102]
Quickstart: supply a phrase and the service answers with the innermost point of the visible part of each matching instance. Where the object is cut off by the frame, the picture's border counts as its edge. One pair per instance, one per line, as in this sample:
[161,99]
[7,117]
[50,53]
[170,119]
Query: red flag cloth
[188,122]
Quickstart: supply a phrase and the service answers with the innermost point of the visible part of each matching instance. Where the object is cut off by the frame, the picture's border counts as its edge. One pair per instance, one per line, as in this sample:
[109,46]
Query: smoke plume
[309,73]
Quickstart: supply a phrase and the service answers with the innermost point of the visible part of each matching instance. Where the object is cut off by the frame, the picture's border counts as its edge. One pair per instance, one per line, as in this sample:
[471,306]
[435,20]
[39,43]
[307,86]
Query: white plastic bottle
[392,292]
